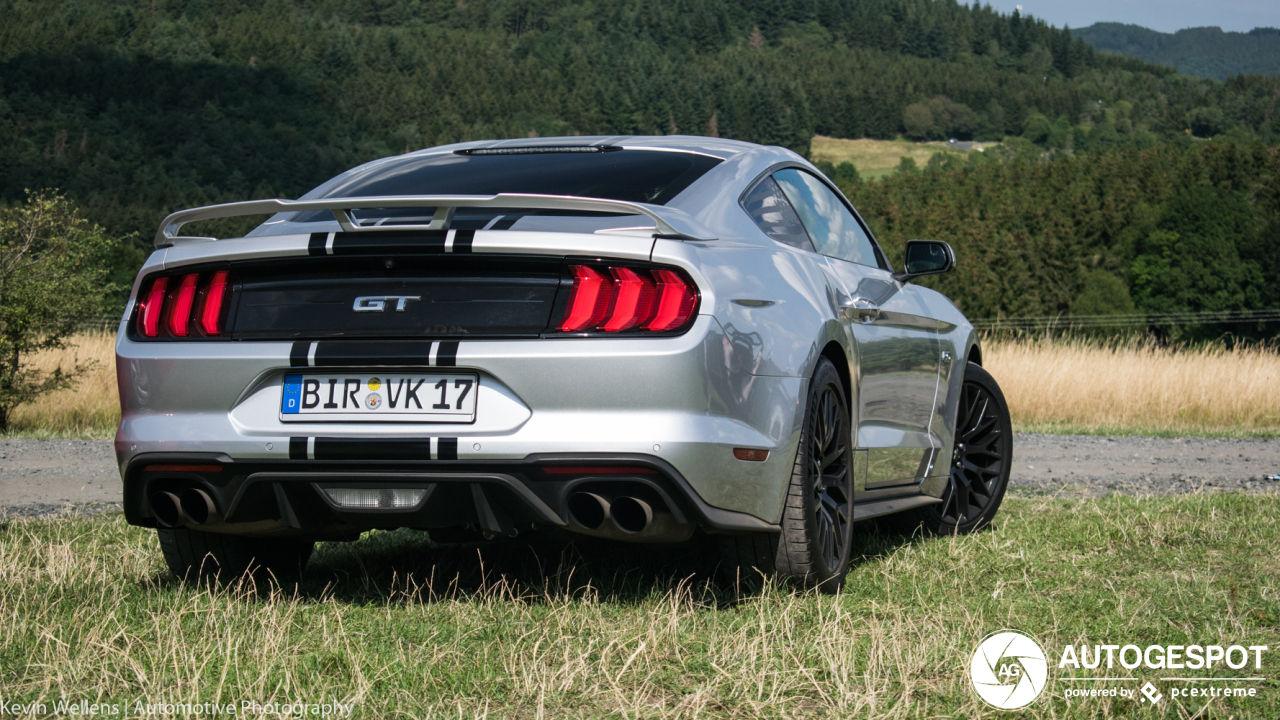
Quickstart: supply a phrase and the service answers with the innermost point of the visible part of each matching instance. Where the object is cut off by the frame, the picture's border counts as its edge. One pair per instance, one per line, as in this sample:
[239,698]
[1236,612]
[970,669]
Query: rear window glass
[771,211]
[634,175]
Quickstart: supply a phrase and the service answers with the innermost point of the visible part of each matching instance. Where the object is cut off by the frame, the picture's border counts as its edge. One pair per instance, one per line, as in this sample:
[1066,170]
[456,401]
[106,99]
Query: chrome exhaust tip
[588,510]
[167,510]
[631,515]
[199,507]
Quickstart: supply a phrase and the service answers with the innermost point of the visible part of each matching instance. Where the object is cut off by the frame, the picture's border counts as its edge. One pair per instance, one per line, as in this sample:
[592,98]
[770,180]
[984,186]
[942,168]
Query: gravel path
[50,477]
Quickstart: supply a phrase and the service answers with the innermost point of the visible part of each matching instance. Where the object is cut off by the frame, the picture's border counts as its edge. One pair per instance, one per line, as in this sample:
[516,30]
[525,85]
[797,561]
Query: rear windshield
[646,176]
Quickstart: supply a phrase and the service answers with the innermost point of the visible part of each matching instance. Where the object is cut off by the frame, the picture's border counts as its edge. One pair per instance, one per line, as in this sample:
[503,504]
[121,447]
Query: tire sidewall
[828,579]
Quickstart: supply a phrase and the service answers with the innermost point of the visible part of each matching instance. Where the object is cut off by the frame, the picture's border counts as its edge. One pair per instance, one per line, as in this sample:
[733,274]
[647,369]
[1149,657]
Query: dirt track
[49,477]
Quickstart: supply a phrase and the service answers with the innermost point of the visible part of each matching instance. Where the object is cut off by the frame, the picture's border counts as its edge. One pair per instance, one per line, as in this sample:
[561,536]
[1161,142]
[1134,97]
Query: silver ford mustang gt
[634,338]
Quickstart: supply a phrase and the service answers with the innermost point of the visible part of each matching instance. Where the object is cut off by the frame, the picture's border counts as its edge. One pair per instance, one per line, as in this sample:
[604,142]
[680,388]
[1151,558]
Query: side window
[769,209]
[835,231]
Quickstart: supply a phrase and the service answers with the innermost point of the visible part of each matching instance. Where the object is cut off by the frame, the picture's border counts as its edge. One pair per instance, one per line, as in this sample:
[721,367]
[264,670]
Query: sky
[1162,15]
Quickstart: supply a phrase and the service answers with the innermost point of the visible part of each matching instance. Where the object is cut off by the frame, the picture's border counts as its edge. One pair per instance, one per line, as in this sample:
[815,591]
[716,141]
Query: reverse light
[376,498]
[619,298]
[170,306]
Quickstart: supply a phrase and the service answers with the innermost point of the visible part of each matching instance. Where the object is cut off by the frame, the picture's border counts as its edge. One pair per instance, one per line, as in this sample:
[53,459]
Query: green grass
[540,628]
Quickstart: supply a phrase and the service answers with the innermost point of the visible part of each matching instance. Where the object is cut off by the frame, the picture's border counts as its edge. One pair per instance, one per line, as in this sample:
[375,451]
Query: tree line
[136,108]
[1162,230]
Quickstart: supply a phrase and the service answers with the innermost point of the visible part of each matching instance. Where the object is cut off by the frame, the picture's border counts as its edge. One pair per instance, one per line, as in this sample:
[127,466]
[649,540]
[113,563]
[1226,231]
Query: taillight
[588,300]
[149,313]
[211,313]
[171,306]
[180,313]
[618,298]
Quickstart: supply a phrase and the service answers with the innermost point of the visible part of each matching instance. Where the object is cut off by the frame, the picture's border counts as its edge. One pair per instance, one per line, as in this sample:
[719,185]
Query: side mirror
[926,257]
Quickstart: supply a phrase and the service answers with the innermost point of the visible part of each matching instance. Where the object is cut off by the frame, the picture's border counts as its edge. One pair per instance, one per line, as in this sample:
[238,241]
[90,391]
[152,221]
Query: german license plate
[416,397]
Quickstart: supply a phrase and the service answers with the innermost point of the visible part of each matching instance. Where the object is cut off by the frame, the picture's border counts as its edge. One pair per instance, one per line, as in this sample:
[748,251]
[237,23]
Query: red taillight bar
[149,313]
[180,312]
[633,299]
[211,315]
[676,300]
[589,299]
[618,298]
[166,310]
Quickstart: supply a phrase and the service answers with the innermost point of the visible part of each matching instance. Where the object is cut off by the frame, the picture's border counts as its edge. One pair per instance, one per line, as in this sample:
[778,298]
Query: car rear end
[459,374]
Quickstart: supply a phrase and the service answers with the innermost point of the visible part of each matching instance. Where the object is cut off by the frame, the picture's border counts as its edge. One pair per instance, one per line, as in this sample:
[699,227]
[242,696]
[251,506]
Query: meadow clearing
[1094,387]
[877,158]
[541,627]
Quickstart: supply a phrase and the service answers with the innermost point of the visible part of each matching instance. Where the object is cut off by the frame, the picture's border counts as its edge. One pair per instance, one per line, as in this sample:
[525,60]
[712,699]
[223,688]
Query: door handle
[861,309]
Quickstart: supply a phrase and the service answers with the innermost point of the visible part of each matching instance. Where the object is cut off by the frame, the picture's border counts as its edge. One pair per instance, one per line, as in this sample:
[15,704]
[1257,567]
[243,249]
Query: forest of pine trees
[139,107]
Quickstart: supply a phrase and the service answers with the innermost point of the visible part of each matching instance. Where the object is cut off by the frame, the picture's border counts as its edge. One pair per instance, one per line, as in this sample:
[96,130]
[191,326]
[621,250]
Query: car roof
[717,147]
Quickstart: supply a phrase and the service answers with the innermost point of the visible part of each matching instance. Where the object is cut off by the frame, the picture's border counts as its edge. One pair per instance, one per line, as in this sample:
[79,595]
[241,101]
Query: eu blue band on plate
[292,394]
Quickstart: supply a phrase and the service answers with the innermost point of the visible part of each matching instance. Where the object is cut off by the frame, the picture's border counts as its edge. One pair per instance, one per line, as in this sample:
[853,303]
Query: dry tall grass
[1063,385]
[1137,385]
[91,407]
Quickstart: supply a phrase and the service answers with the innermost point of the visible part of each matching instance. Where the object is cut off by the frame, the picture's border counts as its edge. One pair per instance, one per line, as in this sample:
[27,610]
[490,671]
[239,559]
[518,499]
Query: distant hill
[1204,51]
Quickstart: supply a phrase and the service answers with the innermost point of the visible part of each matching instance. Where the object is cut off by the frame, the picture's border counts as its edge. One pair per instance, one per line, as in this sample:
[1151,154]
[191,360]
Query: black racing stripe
[315,246]
[447,449]
[335,353]
[447,356]
[298,354]
[462,241]
[505,222]
[417,241]
[297,448]
[374,449]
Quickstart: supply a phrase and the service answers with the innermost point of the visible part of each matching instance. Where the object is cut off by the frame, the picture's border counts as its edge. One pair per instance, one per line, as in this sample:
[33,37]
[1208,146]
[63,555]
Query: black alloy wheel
[980,458]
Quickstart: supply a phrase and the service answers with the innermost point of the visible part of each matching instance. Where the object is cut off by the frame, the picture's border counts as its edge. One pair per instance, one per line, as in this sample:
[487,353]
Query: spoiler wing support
[668,222]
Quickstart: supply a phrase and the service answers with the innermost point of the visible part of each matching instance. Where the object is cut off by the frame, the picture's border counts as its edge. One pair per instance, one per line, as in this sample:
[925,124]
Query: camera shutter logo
[1008,670]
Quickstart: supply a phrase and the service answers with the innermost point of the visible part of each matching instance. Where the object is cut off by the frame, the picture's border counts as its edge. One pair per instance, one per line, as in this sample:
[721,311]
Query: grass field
[876,158]
[398,627]
[1076,387]
[1136,387]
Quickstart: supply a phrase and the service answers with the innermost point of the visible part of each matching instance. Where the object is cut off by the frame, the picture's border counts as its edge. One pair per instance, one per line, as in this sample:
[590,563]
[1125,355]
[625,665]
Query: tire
[982,453]
[192,554]
[814,547]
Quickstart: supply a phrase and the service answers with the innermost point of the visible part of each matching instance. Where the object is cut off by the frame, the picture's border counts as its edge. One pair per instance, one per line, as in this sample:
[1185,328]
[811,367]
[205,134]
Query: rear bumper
[684,402]
[288,498]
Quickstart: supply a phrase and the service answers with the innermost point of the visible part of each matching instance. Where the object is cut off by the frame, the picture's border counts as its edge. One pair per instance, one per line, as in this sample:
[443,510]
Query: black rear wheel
[817,524]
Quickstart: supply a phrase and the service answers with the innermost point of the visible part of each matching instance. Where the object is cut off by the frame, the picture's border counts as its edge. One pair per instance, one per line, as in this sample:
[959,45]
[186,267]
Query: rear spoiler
[668,222]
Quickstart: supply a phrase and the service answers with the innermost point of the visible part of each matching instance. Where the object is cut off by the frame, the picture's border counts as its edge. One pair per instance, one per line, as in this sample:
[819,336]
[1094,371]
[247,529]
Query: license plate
[416,397]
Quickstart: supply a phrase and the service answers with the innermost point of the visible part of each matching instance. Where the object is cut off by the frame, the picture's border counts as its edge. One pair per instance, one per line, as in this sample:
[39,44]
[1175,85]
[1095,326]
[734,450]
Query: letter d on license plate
[391,397]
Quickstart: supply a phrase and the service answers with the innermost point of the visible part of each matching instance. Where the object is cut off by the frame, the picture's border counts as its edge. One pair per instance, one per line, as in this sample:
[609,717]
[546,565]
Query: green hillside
[139,107]
[1204,51]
